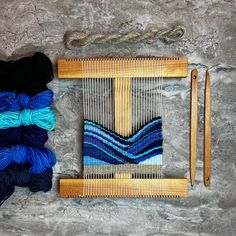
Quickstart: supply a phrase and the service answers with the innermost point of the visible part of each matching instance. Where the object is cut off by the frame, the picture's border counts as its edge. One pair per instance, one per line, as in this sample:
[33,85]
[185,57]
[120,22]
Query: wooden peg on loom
[193,125]
[207,132]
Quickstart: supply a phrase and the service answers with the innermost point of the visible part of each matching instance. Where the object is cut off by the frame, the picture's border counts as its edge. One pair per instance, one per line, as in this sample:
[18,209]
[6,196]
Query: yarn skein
[11,101]
[39,159]
[28,74]
[19,175]
[43,118]
[76,39]
[28,135]
[25,118]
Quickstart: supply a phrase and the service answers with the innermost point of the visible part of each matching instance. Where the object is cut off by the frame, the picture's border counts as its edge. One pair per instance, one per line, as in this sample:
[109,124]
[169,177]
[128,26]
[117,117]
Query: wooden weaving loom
[122,103]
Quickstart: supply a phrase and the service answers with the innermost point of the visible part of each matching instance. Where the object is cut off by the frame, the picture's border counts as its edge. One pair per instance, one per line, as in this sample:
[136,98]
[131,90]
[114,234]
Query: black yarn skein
[28,74]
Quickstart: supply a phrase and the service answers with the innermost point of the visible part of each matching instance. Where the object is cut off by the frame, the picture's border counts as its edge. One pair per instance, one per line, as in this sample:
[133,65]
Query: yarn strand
[76,39]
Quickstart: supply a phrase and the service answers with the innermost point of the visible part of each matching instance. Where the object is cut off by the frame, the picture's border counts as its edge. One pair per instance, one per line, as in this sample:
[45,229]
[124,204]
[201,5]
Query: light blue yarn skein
[43,118]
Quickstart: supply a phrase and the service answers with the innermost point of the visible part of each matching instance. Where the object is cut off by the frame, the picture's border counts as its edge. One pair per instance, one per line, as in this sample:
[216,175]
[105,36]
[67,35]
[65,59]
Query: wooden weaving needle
[193,125]
[207,132]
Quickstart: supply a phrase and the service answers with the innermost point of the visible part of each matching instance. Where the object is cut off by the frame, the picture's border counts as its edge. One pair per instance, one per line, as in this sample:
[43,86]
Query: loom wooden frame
[122,70]
[171,67]
[122,187]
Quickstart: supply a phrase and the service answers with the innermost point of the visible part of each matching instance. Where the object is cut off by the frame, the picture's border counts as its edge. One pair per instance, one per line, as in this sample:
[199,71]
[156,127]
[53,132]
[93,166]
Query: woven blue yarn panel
[105,147]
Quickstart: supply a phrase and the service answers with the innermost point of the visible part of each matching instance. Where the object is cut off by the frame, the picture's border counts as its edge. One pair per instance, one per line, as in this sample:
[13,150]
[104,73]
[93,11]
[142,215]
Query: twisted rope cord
[76,40]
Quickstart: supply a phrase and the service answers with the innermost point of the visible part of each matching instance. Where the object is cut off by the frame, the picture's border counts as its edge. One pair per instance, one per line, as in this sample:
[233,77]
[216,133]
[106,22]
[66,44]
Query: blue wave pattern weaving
[105,147]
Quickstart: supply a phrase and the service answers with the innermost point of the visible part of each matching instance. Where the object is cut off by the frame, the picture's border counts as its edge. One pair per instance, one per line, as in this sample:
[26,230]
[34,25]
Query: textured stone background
[30,25]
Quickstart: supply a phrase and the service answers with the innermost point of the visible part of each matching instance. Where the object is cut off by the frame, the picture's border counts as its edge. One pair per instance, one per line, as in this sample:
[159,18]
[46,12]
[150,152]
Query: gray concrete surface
[30,25]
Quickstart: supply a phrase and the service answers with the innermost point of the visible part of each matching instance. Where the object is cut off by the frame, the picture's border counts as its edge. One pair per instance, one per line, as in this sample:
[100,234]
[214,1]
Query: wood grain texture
[207,132]
[122,67]
[172,188]
[123,106]
[193,125]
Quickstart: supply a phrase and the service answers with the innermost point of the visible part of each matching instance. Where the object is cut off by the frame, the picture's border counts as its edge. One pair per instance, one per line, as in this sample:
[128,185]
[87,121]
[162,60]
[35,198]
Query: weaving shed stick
[193,125]
[207,132]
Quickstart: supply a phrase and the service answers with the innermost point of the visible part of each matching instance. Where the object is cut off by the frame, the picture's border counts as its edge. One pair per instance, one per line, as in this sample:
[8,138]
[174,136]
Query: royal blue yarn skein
[12,101]
[39,159]
[28,135]
[19,175]
[43,118]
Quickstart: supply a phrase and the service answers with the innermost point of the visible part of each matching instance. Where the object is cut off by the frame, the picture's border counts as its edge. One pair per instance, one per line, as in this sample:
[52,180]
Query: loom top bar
[168,67]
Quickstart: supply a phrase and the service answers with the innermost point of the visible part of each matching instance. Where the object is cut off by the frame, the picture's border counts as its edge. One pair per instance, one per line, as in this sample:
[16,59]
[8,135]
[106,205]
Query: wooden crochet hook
[193,125]
[207,132]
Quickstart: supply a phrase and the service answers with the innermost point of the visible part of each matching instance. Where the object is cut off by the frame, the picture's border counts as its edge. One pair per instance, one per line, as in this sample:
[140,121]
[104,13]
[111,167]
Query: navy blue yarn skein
[12,101]
[39,159]
[28,135]
[28,74]
[19,175]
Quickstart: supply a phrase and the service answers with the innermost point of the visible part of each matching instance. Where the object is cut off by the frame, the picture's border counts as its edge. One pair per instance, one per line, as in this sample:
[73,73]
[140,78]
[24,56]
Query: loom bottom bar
[166,188]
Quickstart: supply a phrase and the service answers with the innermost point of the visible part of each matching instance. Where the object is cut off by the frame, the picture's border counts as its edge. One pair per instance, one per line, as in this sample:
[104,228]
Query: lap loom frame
[122,154]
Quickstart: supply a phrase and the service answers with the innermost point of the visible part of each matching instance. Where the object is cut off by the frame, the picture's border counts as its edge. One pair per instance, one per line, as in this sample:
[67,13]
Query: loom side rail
[166,188]
[169,67]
